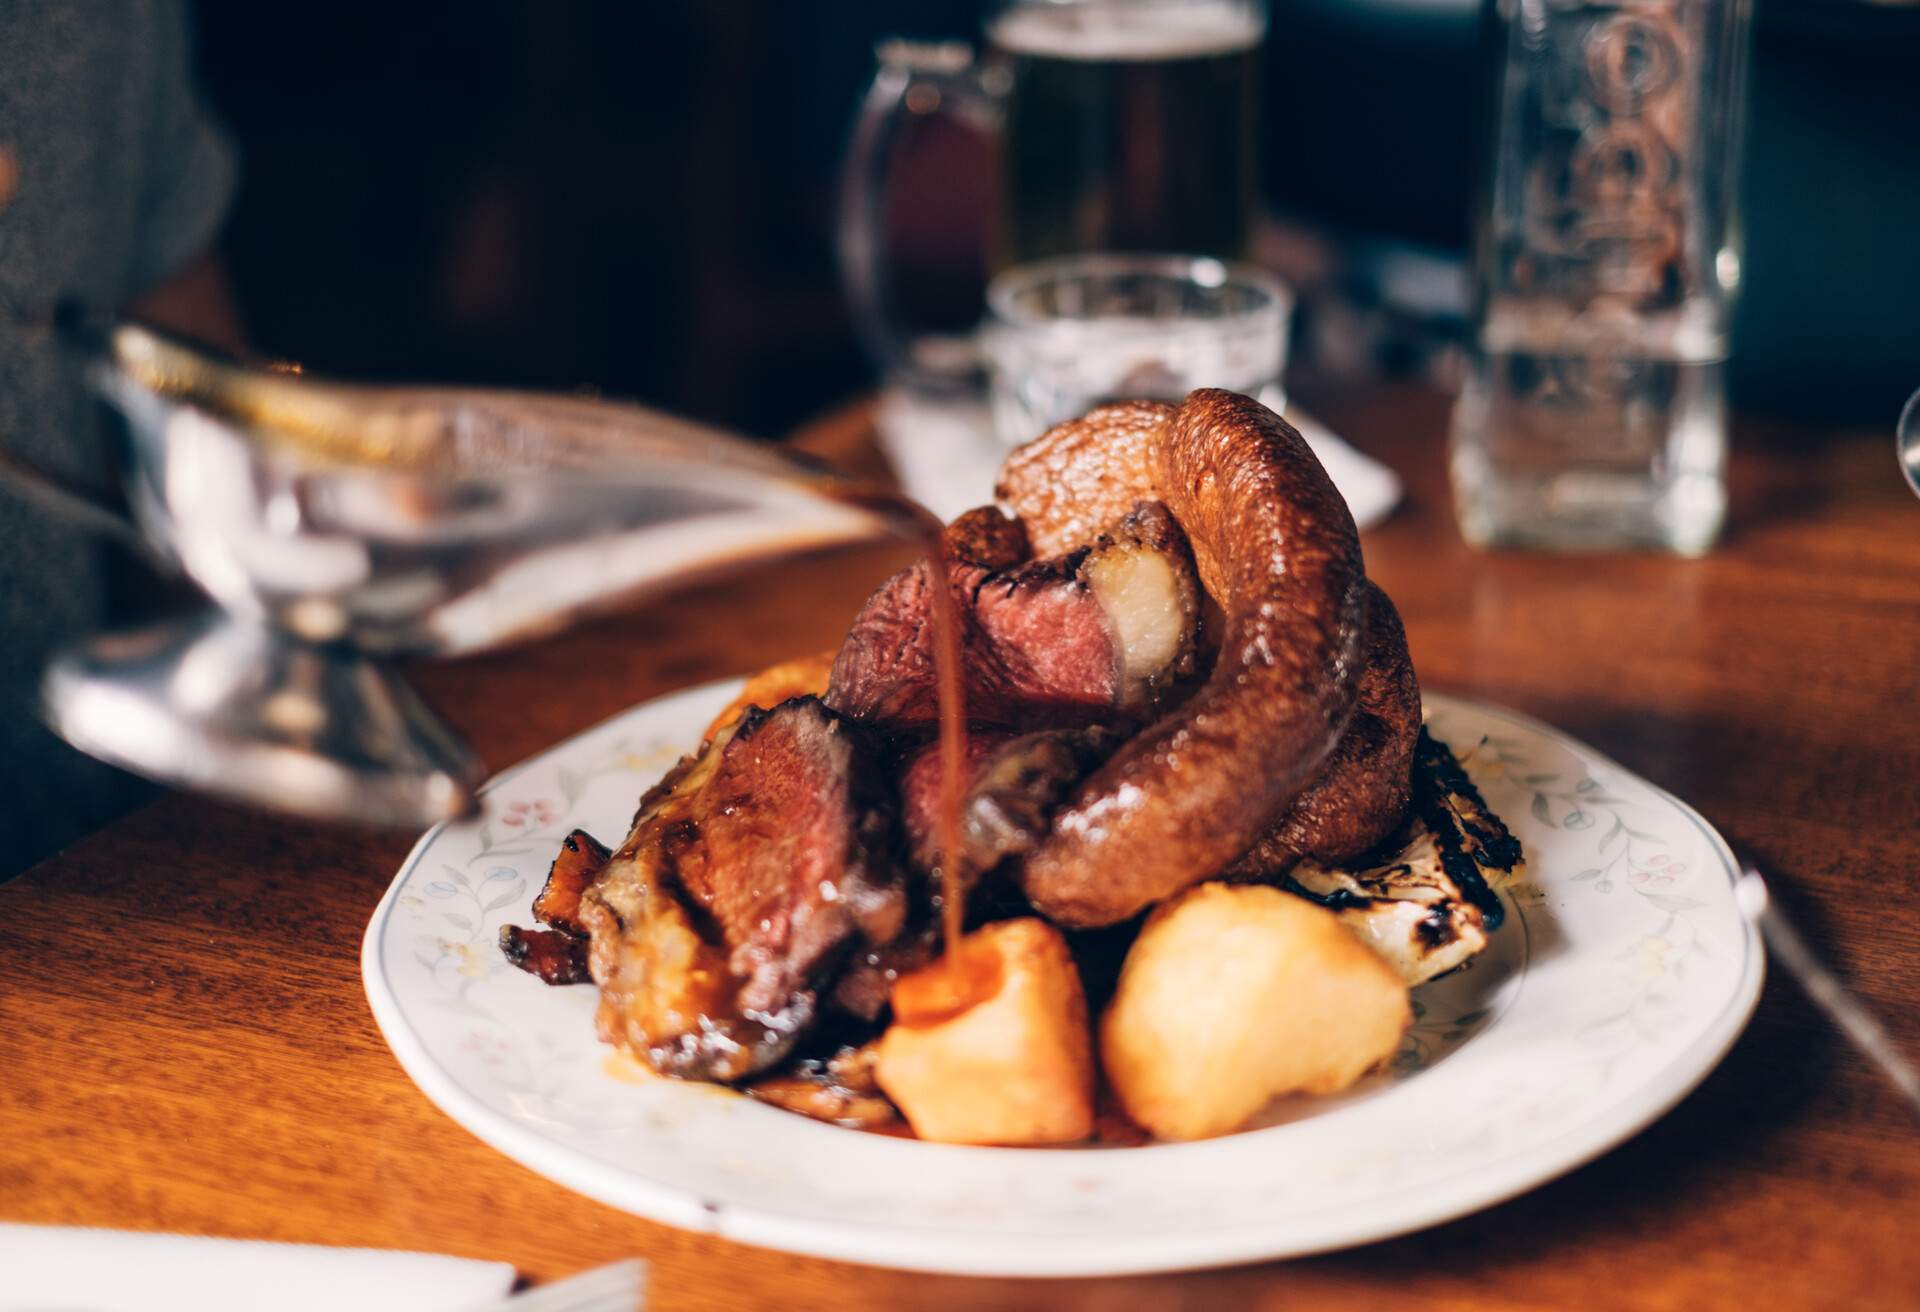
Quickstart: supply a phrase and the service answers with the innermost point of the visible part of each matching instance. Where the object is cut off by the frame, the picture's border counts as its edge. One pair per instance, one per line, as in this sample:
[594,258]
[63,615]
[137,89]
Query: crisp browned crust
[578,864]
[1276,547]
[985,538]
[1361,796]
[553,955]
[1068,485]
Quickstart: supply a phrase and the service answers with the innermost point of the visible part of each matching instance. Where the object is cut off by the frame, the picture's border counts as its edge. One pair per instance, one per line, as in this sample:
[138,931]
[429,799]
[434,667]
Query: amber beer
[1129,127]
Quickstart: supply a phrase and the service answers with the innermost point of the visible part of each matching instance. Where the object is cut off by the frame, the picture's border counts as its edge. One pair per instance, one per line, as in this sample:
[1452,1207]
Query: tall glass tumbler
[1607,258]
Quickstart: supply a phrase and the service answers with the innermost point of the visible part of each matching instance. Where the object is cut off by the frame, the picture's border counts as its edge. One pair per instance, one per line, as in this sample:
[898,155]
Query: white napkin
[79,1270]
[946,454]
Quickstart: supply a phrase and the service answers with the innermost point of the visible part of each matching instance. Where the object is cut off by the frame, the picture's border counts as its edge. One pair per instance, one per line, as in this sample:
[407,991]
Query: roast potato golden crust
[990,1045]
[1236,994]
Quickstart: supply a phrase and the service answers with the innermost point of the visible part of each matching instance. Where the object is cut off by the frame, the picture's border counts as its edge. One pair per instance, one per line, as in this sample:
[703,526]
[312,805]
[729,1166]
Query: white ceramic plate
[1623,973]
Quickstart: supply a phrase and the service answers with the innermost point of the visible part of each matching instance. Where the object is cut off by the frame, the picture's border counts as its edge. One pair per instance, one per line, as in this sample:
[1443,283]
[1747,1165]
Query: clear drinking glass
[1064,335]
[1907,442]
[1123,125]
[1592,414]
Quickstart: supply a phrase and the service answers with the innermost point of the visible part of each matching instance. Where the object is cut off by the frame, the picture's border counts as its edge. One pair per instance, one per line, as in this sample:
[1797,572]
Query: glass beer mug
[1125,125]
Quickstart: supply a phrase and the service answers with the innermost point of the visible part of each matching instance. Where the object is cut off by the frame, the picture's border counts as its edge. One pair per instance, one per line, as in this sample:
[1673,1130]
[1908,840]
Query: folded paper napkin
[946,455]
[43,1268]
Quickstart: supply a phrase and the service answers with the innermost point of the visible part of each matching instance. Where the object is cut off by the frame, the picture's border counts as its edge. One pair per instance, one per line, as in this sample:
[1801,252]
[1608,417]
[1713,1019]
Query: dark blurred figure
[113,182]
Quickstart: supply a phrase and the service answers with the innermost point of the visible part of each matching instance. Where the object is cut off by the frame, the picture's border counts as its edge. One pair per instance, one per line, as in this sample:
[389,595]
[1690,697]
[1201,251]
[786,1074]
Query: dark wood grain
[184,1044]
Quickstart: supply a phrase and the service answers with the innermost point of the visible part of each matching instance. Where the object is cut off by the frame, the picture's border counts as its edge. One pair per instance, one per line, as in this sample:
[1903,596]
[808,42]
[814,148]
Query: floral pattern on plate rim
[451,903]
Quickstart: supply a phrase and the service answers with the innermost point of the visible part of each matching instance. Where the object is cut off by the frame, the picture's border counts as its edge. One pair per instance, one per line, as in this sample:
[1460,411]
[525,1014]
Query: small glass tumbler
[1067,334]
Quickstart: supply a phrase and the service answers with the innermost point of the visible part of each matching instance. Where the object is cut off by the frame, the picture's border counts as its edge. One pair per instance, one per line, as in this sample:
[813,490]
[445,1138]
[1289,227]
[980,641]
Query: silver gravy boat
[338,528]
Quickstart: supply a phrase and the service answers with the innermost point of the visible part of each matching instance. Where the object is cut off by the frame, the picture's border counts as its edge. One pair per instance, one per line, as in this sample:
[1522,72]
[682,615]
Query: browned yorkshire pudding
[1176,673]
[1362,793]
[1276,548]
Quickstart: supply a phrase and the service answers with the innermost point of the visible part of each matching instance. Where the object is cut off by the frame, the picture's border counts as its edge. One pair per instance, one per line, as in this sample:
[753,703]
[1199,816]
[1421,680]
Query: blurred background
[640,198]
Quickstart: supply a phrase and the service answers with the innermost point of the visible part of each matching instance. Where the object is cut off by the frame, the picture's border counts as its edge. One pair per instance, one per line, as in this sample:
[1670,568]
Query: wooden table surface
[184,1044]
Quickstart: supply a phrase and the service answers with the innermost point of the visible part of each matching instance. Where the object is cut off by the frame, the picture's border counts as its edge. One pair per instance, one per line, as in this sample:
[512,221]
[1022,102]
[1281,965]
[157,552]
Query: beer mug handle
[917,78]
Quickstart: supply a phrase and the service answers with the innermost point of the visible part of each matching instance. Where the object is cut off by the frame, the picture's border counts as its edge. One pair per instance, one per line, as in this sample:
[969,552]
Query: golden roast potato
[1236,994]
[991,1046]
